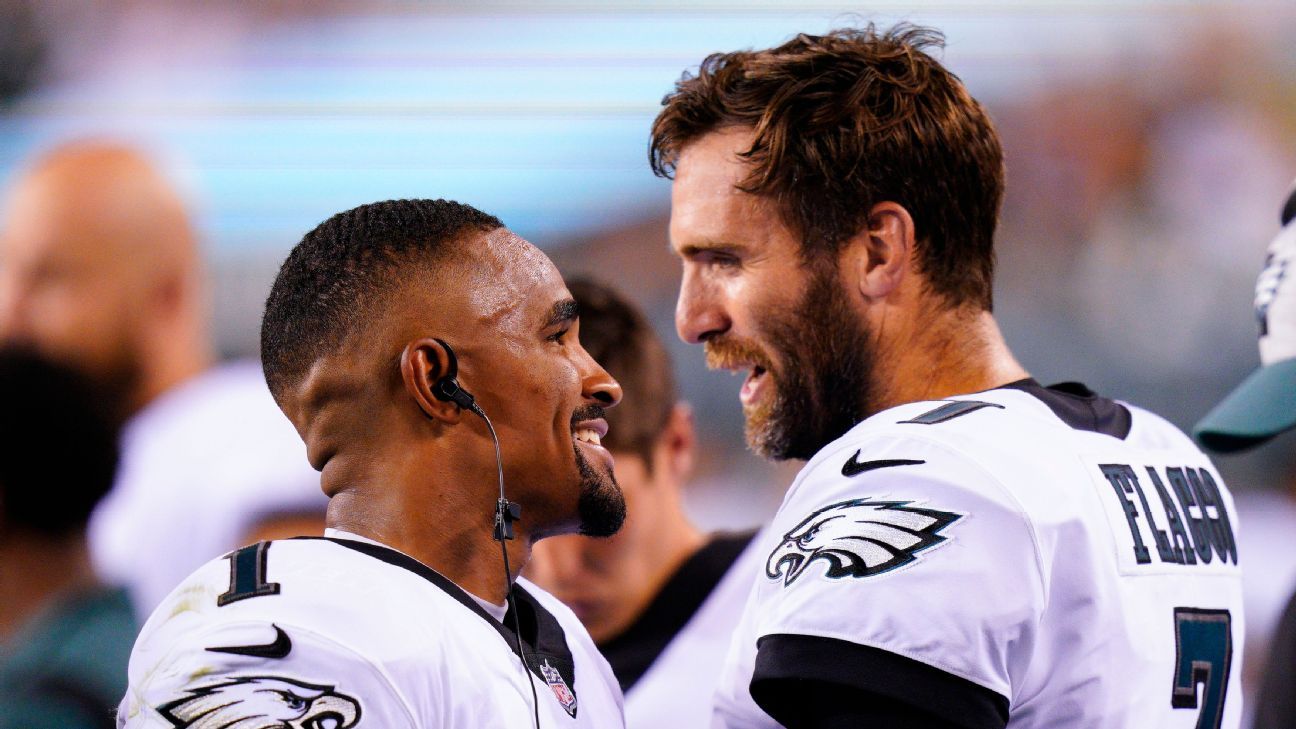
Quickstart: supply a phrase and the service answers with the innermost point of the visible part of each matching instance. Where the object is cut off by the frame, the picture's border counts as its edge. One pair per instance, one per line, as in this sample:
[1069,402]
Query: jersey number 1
[248,575]
[1203,655]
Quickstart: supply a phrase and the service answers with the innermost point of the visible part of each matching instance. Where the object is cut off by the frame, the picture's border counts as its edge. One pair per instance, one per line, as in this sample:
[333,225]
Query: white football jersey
[1023,557]
[200,466]
[678,689]
[321,633]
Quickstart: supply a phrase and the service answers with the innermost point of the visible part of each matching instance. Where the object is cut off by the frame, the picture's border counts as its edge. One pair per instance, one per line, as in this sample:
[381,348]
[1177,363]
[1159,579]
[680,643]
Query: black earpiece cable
[505,513]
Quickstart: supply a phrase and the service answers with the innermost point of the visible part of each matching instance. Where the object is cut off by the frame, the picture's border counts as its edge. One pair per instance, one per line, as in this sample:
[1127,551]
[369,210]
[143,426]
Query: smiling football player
[965,547]
[429,359]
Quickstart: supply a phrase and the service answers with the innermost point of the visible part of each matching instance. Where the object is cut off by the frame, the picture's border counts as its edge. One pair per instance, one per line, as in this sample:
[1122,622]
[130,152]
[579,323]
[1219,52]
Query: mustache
[729,353]
[588,412]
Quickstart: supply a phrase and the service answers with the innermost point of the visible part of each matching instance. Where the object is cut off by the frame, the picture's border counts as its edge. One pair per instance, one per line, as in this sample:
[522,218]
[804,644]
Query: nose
[598,385]
[699,313]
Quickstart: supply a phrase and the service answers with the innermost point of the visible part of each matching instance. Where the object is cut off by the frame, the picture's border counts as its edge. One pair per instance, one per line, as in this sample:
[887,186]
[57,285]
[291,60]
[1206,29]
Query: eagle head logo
[858,538]
[262,702]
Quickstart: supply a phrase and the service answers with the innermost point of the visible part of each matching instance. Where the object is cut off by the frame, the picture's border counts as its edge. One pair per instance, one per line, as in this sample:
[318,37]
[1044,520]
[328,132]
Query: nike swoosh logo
[280,648]
[854,468]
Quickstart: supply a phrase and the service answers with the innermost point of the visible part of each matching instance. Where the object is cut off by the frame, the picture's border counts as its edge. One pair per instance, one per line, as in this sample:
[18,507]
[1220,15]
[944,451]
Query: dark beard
[601,505]
[823,383]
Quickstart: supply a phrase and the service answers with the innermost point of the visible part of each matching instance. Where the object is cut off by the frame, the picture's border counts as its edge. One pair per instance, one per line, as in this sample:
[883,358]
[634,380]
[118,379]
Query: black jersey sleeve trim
[1079,407]
[541,632]
[786,665]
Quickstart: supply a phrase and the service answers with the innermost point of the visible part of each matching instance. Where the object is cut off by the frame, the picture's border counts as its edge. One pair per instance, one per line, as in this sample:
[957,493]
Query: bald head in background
[100,268]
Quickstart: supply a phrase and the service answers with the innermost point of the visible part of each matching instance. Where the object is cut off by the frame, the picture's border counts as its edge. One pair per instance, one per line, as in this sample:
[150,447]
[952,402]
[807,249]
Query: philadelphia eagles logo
[858,538]
[262,702]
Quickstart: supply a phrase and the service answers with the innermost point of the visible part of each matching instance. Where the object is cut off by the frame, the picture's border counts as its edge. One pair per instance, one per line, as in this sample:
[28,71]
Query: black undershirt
[1079,407]
[633,651]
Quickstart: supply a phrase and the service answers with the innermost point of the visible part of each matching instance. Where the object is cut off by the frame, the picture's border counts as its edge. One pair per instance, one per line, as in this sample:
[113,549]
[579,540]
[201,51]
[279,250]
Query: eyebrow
[692,249]
[562,311]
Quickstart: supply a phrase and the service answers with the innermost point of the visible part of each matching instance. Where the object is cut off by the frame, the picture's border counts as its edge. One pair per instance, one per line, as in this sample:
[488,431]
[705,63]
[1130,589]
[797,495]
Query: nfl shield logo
[559,686]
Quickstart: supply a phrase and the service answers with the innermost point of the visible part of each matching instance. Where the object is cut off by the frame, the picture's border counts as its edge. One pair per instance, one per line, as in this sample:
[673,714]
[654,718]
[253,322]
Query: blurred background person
[660,598]
[101,270]
[64,636]
[1261,407]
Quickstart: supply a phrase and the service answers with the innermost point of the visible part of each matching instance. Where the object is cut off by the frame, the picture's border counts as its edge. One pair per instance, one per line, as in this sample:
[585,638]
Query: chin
[601,506]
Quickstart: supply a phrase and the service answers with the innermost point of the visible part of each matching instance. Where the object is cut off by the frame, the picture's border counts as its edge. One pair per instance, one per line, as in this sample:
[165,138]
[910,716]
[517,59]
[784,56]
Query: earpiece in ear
[447,388]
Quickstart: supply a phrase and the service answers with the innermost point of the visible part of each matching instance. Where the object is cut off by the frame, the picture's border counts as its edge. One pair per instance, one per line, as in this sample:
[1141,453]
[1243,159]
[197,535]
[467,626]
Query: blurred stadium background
[1149,143]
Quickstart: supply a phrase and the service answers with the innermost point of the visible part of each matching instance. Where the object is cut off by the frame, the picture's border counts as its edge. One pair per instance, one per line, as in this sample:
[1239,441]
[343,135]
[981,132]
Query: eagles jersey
[669,660]
[1023,557]
[320,633]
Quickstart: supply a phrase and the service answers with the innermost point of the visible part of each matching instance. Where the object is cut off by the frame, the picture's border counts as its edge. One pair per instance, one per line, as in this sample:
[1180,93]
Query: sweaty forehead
[509,280]
[707,207]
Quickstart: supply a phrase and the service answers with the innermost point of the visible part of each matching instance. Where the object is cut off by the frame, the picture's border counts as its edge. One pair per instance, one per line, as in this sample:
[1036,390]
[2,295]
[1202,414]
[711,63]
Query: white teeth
[589,435]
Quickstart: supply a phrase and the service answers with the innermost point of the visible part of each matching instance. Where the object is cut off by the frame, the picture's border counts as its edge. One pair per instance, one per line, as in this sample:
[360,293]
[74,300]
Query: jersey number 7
[1203,655]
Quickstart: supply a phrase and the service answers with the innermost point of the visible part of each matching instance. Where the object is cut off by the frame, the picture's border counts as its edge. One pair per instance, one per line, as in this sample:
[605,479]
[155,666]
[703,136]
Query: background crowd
[1149,146]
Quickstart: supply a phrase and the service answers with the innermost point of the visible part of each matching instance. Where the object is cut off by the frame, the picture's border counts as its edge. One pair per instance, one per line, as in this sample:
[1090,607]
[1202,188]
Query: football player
[659,598]
[964,547]
[430,360]
[1258,409]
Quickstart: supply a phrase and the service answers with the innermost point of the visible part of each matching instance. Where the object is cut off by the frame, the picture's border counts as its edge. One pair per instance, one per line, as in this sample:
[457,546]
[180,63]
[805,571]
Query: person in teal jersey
[64,637]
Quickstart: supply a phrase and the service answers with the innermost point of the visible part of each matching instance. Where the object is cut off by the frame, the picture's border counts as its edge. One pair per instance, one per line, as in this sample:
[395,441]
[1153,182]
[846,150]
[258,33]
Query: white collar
[496,611]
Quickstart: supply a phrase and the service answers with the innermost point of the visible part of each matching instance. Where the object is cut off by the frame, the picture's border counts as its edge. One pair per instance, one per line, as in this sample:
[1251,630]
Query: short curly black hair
[58,446]
[333,279]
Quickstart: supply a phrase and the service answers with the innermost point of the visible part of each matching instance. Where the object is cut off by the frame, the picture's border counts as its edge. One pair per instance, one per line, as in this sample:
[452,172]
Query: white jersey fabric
[1068,560]
[322,633]
[678,689]
[201,465]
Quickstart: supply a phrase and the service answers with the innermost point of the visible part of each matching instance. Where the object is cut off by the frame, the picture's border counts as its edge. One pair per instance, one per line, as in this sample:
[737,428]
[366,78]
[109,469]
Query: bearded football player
[429,359]
[964,547]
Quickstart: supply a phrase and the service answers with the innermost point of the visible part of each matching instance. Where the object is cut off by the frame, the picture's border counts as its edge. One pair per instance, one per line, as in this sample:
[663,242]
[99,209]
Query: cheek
[78,318]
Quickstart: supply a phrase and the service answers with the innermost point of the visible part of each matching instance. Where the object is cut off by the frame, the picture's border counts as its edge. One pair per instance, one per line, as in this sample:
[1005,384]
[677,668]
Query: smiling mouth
[752,385]
[589,435]
[590,427]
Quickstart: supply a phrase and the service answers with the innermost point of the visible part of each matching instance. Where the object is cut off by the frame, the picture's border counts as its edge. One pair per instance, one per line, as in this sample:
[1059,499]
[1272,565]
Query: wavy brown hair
[844,121]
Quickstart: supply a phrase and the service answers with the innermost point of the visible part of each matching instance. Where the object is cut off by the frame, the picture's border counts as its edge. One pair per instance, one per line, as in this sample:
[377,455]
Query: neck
[675,540]
[36,571]
[447,526]
[950,353]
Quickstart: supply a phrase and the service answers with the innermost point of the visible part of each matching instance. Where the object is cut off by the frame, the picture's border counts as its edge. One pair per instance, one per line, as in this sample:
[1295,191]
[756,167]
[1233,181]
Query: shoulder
[314,584]
[960,456]
[306,621]
[997,447]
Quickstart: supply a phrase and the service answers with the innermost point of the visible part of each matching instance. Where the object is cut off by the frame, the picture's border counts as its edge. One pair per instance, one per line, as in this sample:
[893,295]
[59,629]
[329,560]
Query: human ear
[879,255]
[677,444]
[423,363]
